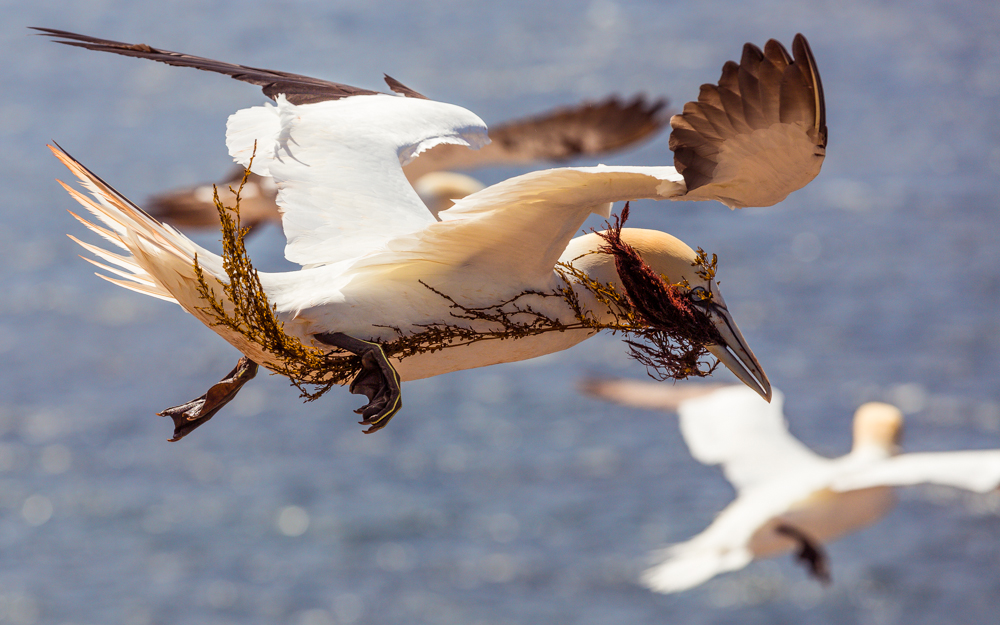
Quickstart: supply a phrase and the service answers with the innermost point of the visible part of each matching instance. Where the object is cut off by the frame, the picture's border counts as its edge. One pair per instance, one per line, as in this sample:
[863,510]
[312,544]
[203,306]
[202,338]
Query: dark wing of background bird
[586,129]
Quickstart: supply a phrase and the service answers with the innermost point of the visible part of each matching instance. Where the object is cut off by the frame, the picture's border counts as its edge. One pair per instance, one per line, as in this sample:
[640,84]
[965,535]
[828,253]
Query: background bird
[788,498]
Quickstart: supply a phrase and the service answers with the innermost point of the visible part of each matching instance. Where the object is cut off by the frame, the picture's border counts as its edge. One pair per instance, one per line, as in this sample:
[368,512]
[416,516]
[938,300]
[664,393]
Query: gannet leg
[378,380]
[192,414]
[811,554]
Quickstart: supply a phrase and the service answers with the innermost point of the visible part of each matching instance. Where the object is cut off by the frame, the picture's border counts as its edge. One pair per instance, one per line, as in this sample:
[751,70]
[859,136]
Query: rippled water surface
[500,495]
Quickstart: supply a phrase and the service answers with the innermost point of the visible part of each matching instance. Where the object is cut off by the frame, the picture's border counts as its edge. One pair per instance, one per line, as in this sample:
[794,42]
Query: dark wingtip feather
[297,88]
[801,49]
[402,89]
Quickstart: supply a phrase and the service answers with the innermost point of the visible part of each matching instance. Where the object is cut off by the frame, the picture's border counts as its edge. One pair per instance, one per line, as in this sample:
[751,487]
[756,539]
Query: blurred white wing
[689,564]
[734,427]
[647,394]
[338,166]
[972,470]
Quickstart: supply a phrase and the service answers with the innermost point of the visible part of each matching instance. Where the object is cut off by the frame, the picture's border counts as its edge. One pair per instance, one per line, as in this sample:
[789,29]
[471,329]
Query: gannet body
[377,264]
[788,497]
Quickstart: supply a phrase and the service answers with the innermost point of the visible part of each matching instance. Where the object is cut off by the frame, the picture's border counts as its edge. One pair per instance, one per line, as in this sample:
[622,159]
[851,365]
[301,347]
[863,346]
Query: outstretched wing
[586,129]
[296,88]
[516,230]
[759,134]
[335,152]
[737,429]
[972,470]
[338,167]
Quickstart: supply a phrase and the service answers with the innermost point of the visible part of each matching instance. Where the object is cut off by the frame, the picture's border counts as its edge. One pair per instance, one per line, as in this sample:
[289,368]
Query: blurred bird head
[440,189]
[878,426]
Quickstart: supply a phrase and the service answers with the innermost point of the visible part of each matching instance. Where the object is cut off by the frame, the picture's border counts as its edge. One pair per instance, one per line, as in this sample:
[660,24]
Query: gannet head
[677,263]
[878,426]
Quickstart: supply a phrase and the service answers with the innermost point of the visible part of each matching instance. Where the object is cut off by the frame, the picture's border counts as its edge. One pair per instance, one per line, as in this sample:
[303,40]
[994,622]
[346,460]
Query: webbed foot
[811,554]
[378,380]
[194,413]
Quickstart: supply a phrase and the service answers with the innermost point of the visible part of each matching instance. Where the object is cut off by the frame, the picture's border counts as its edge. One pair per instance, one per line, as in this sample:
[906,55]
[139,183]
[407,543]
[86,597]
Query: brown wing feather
[402,89]
[298,89]
[584,130]
[749,81]
[192,207]
[767,87]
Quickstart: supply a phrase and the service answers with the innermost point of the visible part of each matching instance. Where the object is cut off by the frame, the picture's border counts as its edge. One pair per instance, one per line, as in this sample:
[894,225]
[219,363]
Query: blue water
[499,496]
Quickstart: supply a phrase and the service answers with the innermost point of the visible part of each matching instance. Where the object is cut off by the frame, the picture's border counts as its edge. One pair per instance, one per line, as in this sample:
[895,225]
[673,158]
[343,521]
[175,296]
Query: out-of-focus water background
[502,495]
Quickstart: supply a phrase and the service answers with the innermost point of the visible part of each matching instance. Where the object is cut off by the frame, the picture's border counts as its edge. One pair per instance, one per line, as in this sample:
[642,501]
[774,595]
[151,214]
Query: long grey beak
[734,352]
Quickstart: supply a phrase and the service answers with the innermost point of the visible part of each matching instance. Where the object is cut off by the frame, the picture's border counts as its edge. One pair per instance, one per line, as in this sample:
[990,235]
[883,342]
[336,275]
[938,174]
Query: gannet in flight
[378,266]
[587,129]
[788,498]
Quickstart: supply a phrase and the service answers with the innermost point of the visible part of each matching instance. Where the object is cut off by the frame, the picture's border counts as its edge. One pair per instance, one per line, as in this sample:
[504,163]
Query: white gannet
[788,498]
[378,266]
[587,129]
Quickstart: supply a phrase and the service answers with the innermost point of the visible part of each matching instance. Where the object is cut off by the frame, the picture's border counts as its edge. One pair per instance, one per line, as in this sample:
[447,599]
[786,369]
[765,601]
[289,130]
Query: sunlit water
[500,495]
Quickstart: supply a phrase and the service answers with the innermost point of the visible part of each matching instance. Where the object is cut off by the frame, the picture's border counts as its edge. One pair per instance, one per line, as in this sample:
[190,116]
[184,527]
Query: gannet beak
[733,351]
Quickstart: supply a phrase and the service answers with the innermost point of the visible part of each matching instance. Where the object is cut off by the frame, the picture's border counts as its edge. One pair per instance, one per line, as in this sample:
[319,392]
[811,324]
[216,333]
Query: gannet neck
[667,255]
[877,427]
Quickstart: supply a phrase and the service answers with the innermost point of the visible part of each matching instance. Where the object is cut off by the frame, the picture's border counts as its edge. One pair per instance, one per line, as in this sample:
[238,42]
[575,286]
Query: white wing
[686,565]
[516,230]
[725,544]
[338,165]
[972,470]
[734,427]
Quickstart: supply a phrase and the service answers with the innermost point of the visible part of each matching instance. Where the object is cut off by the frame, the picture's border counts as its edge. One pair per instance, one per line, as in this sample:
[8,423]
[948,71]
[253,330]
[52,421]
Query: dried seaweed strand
[312,371]
[672,331]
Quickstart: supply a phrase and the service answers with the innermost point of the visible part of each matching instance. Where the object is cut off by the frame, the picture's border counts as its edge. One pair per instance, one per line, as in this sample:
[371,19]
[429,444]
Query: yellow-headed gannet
[587,129]
[380,271]
[788,498]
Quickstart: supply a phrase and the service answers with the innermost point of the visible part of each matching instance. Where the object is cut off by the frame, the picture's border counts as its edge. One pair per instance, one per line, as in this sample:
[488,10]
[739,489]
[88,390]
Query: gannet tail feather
[160,261]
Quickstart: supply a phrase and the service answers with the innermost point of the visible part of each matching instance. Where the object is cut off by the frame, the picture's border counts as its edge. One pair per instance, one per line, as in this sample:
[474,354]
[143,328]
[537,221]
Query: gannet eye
[698,295]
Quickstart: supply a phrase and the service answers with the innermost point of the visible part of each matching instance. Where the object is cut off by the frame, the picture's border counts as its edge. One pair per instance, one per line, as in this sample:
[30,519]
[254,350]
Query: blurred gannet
[587,129]
[788,498]
[376,262]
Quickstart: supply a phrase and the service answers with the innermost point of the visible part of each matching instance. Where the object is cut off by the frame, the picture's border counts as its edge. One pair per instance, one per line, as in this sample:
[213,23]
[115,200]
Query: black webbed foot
[194,413]
[810,553]
[378,380]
